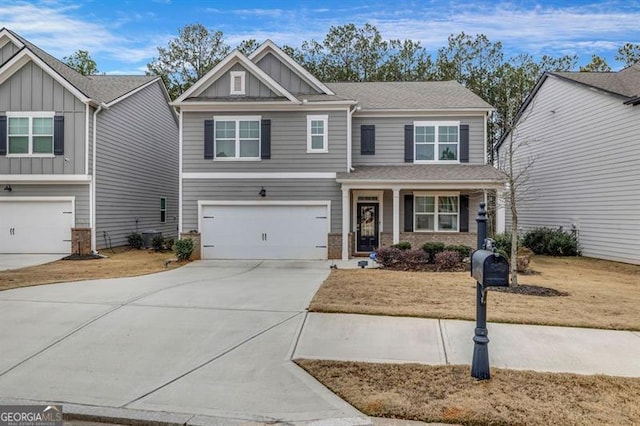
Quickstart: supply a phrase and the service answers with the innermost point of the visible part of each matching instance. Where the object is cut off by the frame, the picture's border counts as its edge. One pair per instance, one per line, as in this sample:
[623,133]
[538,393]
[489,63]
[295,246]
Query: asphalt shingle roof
[625,82]
[425,173]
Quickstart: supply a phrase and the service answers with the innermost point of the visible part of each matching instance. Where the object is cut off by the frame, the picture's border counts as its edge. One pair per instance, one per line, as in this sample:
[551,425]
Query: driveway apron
[211,338]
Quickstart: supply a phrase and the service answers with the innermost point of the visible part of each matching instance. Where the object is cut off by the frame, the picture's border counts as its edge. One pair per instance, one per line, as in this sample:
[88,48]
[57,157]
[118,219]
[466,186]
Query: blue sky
[122,36]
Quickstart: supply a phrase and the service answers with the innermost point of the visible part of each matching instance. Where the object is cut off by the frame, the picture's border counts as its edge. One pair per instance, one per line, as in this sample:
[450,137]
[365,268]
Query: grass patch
[121,262]
[448,394]
[601,294]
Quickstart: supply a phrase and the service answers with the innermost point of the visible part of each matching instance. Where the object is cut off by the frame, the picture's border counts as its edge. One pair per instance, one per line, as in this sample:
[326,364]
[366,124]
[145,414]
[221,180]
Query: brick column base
[195,237]
[81,241]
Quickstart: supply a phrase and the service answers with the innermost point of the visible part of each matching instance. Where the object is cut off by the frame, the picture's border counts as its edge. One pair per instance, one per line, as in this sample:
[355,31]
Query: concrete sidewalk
[371,338]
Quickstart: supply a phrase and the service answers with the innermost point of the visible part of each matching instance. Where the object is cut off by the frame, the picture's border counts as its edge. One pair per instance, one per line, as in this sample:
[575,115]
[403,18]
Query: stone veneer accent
[417,239]
[335,246]
[195,237]
[81,241]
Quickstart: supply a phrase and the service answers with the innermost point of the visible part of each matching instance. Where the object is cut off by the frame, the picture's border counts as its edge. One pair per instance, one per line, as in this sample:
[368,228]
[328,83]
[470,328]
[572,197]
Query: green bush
[402,245]
[552,242]
[158,243]
[135,240]
[168,243]
[464,251]
[503,243]
[432,249]
[183,249]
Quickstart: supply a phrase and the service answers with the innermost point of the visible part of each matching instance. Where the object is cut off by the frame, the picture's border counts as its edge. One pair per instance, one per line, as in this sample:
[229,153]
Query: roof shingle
[625,82]
[425,173]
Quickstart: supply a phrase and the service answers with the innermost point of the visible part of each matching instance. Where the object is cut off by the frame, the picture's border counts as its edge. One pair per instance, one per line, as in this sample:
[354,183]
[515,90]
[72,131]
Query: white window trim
[233,75]
[237,119]
[435,124]
[163,210]
[436,195]
[31,115]
[325,135]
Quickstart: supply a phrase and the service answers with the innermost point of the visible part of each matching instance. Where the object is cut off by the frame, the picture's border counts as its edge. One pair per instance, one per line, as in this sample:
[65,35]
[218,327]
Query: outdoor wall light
[263,192]
[8,188]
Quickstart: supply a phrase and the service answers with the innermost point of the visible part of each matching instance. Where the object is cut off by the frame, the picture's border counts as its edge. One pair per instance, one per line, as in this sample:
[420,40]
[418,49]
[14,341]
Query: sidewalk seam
[444,347]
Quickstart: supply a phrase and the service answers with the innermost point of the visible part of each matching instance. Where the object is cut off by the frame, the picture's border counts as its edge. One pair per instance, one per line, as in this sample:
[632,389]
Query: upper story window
[317,133]
[237,82]
[237,138]
[163,209]
[30,133]
[437,141]
[436,212]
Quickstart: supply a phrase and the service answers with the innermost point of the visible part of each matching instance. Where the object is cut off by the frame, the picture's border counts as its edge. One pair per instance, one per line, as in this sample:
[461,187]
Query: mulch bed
[82,257]
[531,290]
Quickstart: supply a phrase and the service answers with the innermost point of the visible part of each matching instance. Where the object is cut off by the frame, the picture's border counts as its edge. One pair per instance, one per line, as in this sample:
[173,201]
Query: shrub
[431,249]
[503,243]
[414,260]
[135,240]
[168,243]
[407,260]
[403,245]
[183,249]
[553,242]
[447,260]
[464,251]
[158,243]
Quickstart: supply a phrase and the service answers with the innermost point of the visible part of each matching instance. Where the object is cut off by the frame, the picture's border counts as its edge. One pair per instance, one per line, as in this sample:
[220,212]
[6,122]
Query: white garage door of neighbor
[36,226]
[264,232]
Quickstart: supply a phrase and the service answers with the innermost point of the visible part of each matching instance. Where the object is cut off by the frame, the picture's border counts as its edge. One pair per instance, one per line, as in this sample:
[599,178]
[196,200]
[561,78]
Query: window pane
[317,142]
[448,222]
[18,126]
[18,145]
[448,134]
[447,151]
[42,126]
[225,129]
[250,148]
[42,144]
[424,204]
[448,205]
[237,83]
[249,130]
[425,134]
[317,127]
[424,222]
[225,149]
[163,216]
[424,151]
[163,203]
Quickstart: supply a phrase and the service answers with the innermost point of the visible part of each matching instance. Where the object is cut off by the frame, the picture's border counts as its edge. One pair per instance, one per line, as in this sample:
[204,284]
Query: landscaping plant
[431,249]
[552,242]
[447,260]
[158,243]
[183,249]
[135,240]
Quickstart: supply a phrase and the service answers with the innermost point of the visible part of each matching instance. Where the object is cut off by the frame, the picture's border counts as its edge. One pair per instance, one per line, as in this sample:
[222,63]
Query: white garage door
[36,226]
[264,231]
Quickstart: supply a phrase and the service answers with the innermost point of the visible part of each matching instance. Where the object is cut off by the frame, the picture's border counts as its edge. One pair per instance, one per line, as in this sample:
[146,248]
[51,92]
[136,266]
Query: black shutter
[408,213]
[208,139]
[464,213]
[408,143]
[367,139]
[464,143]
[3,135]
[265,139]
[58,135]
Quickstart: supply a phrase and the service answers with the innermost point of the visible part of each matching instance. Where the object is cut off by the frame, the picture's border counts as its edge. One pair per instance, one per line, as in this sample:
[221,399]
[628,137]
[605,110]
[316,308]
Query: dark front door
[367,233]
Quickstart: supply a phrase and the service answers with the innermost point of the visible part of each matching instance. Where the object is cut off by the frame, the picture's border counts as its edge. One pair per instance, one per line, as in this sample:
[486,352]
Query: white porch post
[501,211]
[345,222]
[396,215]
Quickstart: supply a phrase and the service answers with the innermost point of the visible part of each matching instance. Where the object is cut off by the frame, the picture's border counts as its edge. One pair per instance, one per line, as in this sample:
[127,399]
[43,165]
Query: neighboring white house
[582,132]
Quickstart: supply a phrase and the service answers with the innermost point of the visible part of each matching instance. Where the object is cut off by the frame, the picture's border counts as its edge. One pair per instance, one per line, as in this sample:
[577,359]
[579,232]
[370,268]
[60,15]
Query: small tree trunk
[514,248]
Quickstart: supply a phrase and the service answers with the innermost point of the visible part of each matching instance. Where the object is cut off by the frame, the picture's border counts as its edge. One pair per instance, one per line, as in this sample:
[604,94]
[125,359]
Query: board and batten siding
[389,139]
[7,51]
[281,73]
[221,88]
[31,89]
[247,190]
[137,164]
[80,192]
[288,144]
[585,145]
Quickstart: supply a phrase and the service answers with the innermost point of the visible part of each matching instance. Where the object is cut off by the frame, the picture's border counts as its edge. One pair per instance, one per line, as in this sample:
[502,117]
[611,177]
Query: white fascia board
[270,47]
[132,92]
[379,184]
[259,175]
[421,112]
[259,106]
[23,57]
[224,66]
[45,179]
[6,37]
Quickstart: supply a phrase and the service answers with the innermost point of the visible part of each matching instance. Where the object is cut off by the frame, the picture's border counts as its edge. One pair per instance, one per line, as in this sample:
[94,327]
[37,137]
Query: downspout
[180,175]
[350,112]
[92,195]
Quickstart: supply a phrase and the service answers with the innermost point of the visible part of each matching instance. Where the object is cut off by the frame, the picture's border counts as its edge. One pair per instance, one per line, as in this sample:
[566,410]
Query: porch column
[396,215]
[345,222]
[501,212]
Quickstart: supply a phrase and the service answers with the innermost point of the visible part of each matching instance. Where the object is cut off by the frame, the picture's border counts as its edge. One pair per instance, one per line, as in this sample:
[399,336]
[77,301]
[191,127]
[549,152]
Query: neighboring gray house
[276,164]
[95,152]
[582,132]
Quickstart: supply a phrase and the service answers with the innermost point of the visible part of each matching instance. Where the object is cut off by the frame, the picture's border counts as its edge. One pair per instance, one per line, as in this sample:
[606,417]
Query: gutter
[92,192]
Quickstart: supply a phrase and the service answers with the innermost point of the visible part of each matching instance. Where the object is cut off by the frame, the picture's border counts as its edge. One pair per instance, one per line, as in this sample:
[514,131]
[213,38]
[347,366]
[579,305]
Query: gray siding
[390,138]
[221,88]
[31,89]
[247,190]
[7,51]
[281,73]
[586,167]
[81,192]
[288,145]
[137,163]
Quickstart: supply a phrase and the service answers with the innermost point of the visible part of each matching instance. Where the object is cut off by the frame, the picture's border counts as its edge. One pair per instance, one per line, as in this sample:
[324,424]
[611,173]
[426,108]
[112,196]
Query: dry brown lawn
[121,262]
[448,394]
[601,294]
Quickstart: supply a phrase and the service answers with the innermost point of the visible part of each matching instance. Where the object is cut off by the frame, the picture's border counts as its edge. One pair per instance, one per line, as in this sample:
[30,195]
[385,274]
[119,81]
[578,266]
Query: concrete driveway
[16,261]
[208,339]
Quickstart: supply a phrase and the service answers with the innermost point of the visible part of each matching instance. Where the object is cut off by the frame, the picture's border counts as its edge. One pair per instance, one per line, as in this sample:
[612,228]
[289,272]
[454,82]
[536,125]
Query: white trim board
[45,179]
[36,198]
[259,175]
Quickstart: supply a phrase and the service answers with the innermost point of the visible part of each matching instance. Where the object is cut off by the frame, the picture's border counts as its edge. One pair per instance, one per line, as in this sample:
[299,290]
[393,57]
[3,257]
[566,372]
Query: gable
[284,75]
[7,51]
[254,87]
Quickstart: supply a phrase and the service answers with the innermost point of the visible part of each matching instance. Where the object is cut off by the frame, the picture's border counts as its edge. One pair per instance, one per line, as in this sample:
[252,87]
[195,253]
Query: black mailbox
[490,269]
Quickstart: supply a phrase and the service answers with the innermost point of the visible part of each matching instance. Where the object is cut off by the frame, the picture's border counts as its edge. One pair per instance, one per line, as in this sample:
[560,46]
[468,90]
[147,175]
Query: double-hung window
[163,209]
[317,133]
[30,133]
[436,212]
[437,141]
[237,138]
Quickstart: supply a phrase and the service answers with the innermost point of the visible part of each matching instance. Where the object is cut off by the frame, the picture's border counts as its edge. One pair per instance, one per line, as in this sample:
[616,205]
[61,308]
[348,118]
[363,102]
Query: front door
[367,231]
